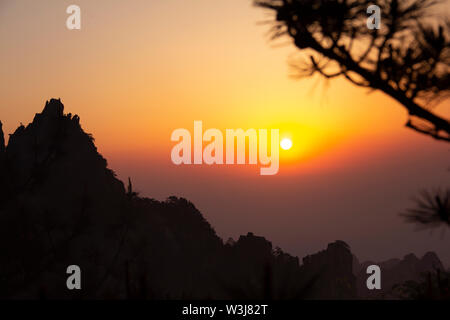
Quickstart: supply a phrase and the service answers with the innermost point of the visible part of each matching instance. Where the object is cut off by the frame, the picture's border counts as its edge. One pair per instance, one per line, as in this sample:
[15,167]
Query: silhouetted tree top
[408,58]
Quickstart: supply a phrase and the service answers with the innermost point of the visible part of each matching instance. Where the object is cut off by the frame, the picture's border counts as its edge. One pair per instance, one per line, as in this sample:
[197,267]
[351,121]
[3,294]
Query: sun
[286,144]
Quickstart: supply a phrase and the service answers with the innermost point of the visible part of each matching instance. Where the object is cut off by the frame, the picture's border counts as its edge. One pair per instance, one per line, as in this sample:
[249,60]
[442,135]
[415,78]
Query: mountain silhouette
[396,272]
[61,205]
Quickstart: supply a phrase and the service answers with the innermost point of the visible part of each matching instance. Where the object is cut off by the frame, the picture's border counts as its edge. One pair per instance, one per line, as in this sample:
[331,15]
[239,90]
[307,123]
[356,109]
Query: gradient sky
[139,69]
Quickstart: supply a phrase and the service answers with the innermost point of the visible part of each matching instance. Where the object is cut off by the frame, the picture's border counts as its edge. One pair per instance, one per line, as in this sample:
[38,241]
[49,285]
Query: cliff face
[58,198]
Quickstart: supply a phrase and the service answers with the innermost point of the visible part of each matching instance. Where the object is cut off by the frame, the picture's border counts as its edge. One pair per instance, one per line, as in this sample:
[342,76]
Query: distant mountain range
[61,205]
[395,272]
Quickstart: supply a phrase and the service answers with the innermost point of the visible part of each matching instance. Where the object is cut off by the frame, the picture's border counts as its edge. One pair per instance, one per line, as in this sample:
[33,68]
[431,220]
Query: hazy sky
[137,70]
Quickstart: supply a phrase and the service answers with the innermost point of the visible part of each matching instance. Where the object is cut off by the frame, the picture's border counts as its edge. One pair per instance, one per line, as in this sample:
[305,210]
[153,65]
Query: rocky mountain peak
[54,108]
[53,148]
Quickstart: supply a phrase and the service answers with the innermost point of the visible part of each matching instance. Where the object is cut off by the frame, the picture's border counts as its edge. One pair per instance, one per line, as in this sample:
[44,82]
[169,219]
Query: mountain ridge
[60,204]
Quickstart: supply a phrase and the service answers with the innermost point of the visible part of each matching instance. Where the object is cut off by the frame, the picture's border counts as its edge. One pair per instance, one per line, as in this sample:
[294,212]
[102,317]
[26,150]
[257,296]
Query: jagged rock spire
[54,107]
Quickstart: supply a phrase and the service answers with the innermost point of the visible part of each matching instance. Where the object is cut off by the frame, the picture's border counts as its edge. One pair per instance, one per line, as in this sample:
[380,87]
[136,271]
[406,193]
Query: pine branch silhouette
[408,58]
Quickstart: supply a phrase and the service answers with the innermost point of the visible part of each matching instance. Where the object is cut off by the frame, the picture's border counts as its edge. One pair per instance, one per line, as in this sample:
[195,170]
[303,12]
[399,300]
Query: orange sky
[137,70]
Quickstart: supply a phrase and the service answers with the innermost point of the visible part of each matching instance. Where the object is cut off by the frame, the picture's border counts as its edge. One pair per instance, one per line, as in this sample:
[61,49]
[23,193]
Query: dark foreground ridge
[60,205]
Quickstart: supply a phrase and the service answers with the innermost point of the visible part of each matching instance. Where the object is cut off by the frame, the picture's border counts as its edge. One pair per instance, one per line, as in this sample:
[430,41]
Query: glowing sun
[286,144]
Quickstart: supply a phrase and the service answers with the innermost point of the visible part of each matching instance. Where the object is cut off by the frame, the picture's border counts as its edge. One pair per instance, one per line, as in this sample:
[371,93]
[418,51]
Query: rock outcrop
[332,269]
